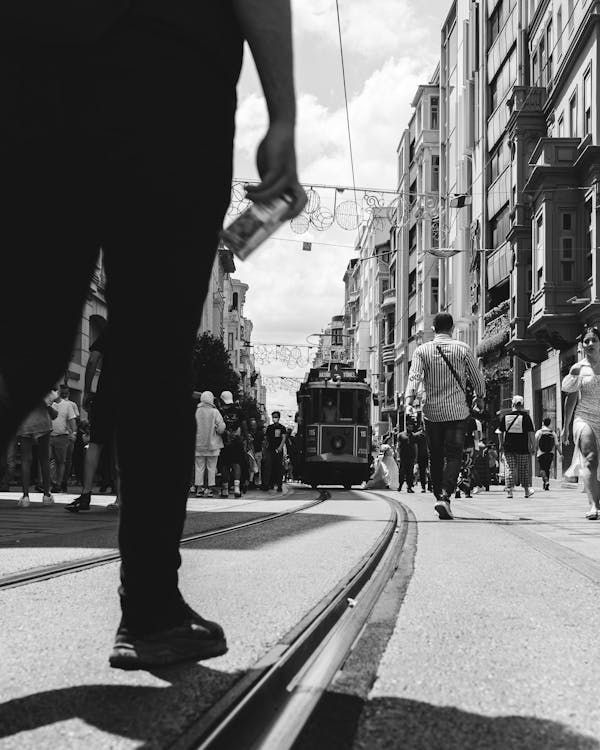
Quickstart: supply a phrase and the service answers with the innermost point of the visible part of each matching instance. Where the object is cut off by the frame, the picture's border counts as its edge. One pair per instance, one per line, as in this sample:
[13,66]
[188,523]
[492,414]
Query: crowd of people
[235,453]
[441,446]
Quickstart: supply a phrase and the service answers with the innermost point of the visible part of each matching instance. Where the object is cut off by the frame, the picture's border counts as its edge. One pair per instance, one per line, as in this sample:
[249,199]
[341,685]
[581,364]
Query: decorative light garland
[368,205]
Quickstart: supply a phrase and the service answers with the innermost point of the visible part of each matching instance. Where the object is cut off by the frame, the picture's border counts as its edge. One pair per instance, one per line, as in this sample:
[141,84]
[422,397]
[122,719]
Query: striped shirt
[444,398]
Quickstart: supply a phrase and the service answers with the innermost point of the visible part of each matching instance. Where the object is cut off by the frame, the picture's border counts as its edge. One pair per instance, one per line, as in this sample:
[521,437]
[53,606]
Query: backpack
[546,442]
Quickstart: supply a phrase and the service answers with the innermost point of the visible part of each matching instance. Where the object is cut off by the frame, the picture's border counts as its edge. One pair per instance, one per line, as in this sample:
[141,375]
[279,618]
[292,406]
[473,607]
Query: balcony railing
[388,353]
[497,333]
[388,298]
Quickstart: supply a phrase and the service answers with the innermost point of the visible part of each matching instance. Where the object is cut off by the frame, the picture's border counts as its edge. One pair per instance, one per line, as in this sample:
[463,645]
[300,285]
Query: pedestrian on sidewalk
[100,405]
[583,406]
[546,442]
[112,126]
[64,430]
[422,458]
[407,453]
[517,439]
[209,443]
[389,461]
[464,482]
[256,438]
[444,366]
[65,394]
[36,430]
[275,438]
[232,454]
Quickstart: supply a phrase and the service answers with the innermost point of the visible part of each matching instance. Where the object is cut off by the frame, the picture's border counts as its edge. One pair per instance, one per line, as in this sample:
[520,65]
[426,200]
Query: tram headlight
[337,443]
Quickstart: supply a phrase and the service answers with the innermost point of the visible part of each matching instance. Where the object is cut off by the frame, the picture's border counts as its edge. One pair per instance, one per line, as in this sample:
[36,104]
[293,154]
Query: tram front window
[346,406]
[329,409]
[363,408]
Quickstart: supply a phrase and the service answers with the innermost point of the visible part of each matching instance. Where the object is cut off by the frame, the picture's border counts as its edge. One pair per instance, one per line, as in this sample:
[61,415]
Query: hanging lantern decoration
[442,252]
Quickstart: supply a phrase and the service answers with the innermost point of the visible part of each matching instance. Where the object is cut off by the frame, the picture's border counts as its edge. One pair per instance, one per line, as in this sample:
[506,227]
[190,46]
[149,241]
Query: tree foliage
[250,408]
[212,367]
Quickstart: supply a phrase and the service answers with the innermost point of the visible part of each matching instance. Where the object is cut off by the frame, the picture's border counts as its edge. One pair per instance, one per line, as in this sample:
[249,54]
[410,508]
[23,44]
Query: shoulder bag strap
[453,371]
[512,423]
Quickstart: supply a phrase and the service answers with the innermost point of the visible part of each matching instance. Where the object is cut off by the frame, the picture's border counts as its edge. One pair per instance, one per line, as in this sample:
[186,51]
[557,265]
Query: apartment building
[555,282]
[412,299]
[332,343]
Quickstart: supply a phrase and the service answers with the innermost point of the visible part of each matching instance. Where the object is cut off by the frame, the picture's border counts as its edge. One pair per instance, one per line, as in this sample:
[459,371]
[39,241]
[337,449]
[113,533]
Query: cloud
[376,29]
[378,114]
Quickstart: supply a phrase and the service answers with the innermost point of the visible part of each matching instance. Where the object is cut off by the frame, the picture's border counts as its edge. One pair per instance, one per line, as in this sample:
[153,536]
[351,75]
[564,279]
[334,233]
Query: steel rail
[46,572]
[270,705]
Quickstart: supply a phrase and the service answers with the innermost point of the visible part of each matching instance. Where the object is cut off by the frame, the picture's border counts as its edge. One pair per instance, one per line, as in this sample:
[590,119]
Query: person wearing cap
[232,456]
[517,439]
[209,443]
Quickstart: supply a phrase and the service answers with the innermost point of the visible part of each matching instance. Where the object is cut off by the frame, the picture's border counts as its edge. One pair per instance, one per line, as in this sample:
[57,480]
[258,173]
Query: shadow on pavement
[390,723]
[153,716]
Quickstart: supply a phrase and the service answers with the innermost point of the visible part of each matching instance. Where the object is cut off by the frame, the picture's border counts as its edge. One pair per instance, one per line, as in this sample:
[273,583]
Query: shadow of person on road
[346,721]
[152,715]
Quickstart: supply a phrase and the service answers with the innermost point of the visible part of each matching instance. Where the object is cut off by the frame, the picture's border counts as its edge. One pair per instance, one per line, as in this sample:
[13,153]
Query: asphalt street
[496,642]
[55,685]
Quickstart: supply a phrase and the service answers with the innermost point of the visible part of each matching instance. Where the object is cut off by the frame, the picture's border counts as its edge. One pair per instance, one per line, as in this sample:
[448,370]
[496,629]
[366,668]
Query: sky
[390,48]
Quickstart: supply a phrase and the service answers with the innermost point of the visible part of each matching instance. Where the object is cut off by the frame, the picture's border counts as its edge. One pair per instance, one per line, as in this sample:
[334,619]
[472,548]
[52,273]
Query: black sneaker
[193,640]
[442,508]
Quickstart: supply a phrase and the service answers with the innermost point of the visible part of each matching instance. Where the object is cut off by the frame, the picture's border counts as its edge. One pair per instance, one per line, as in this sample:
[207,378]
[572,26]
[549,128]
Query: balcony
[388,354]
[497,330]
[388,299]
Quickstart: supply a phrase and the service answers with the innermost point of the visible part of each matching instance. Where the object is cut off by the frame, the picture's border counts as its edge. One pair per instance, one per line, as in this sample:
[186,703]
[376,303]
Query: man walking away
[64,430]
[444,366]
[546,440]
[127,104]
[517,440]
[275,437]
[65,394]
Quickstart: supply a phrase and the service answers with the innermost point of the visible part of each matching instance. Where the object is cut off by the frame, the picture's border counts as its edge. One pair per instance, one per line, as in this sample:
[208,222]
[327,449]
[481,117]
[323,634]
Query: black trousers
[123,145]
[445,441]
[273,475]
[406,472]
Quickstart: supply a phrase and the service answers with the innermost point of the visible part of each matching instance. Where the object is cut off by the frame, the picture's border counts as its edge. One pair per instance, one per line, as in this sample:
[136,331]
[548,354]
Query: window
[550,49]
[412,282]
[561,126]
[587,102]
[434,297]
[589,230]
[542,58]
[573,115]
[411,151]
[230,342]
[559,32]
[412,239]
[434,115]
[435,174]
[412,326]
[235,301]
[570,19]
[535,71]
[567,246]
[566,259]
[336,337]
[538,269]
[412,198]
[499,226]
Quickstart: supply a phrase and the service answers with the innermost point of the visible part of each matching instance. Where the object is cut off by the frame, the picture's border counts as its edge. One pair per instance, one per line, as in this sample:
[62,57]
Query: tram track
[47,572]
[269,707]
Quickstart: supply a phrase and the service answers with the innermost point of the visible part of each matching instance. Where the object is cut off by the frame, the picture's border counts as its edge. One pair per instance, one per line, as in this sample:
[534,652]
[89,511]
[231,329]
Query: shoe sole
[130,657]
[443,513]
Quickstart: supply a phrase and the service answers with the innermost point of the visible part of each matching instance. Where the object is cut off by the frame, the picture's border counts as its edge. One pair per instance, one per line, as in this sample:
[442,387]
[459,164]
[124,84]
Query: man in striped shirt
[444,366]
